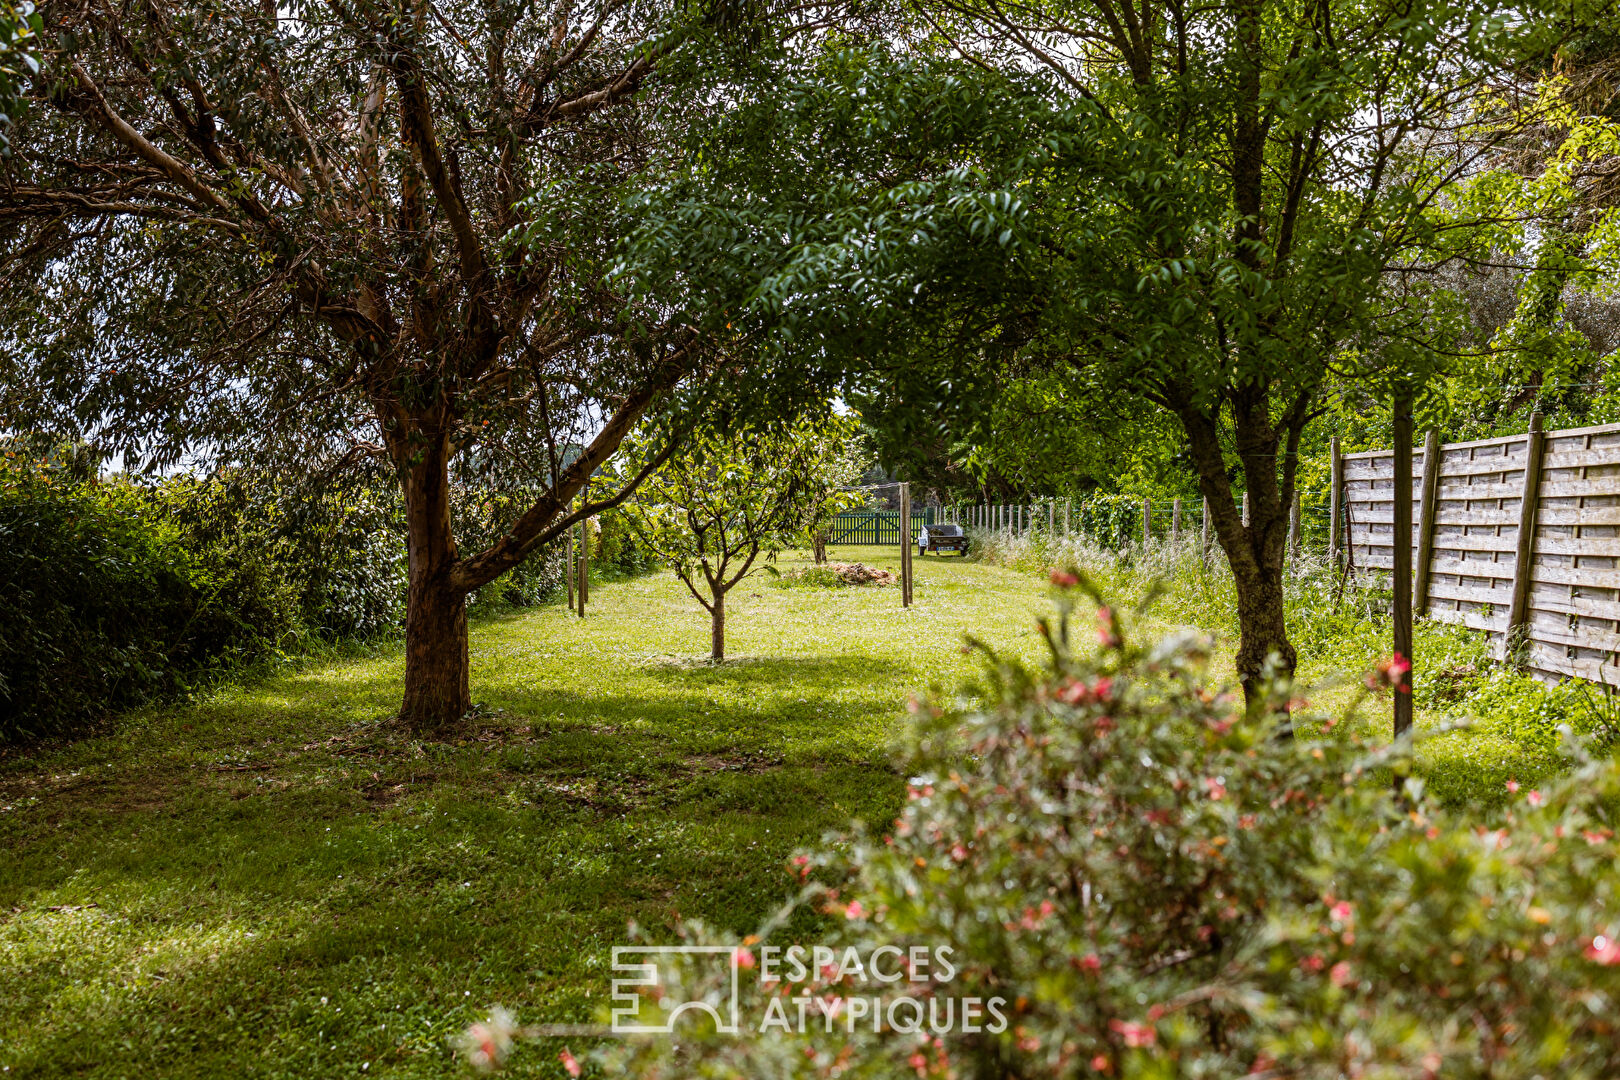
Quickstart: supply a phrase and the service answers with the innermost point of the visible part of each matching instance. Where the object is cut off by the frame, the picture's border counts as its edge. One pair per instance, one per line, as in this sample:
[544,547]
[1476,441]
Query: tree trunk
[1263,631]
[1256,550]
[717,628]
[820,546]
[437,693]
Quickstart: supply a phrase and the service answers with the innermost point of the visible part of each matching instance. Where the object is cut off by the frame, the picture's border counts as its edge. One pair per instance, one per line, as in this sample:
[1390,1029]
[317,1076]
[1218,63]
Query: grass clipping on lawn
[835,576]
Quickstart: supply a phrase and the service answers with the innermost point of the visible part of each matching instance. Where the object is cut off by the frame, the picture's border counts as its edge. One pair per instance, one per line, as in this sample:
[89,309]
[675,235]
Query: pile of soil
[860,574]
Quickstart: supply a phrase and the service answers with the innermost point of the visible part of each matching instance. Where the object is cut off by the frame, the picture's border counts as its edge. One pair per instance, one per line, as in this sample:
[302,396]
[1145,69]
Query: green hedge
[114,592]
[101,609]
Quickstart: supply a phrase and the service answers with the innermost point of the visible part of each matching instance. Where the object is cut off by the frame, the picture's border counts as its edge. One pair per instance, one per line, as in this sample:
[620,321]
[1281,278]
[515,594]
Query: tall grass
[1339,629]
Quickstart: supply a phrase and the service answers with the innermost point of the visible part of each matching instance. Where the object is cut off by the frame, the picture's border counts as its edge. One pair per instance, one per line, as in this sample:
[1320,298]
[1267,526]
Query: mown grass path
[275,883]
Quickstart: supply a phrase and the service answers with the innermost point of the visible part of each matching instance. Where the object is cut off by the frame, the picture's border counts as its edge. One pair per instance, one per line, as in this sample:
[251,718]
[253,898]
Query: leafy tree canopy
[306,233]
[1220,212]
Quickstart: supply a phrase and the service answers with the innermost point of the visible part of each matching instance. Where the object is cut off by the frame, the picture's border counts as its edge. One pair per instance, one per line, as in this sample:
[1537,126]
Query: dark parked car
[941,538]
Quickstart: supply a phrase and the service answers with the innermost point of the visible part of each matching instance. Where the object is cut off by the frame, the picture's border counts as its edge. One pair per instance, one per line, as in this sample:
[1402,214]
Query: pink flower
[959,853]
[485,1051]
[1340,974]
[918,1062]
[1107,632]
[486,1045]
[1391,672]
[1064,580]
[1100,1063]
[1604,950]
[1214,787]
[1513,787]
[1076,692]
[1342,911]
[568,1062]
[1313,963]
[854,910]
[1090,964]
[744,958]
[1134,1034]
[1072,694]
[1534,798]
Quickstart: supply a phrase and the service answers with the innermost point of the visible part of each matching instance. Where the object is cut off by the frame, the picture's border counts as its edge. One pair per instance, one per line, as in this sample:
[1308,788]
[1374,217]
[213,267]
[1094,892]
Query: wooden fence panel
[1571,585]
[1476,533]
[1571,625]
[1369,508]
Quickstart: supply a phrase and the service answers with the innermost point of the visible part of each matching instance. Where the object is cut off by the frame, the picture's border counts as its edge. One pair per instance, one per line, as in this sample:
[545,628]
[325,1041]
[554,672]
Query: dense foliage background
[122,589]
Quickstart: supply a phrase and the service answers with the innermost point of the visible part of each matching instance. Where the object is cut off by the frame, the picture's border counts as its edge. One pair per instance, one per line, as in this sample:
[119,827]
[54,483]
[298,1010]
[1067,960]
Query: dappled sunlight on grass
[275,881]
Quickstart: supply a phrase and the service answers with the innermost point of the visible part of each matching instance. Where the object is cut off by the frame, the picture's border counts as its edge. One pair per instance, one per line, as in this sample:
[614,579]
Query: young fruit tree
[724,498]
[303,234]
[831,484]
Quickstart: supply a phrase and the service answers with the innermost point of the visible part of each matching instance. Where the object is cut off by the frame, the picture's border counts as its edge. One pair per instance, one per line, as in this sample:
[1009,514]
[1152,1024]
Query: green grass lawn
[275,883]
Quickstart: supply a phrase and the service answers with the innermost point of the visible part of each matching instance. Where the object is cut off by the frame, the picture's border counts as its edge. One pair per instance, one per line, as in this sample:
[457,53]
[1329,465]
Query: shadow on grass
[255,938]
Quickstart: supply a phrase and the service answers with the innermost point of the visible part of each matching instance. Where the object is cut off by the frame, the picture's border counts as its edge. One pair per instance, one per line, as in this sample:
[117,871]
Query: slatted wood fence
[1512,536]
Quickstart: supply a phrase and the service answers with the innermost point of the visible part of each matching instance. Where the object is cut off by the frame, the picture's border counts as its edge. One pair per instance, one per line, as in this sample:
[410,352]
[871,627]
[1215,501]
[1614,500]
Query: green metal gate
[876,526]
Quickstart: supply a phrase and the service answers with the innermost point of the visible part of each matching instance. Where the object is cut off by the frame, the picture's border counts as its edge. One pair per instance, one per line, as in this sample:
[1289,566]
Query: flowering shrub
[1131,878]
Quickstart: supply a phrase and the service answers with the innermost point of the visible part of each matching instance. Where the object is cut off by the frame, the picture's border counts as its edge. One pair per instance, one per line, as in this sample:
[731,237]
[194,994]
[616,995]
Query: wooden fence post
[1402,574]
[1335,499]
[1067,502]
[1429,501]
[1175,522]
[1295,541]
[1051,518]
[905,545]
[1525,550]
[569,572]
[1203,542]
[584,564]
[1147,520]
